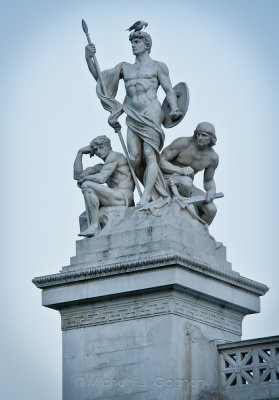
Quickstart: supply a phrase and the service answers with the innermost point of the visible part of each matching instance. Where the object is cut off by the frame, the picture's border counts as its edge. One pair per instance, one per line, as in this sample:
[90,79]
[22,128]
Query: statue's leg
[151,172]
[92,207]
[95,196]
[135,150]
[184,185]
[107,197]
[207,211]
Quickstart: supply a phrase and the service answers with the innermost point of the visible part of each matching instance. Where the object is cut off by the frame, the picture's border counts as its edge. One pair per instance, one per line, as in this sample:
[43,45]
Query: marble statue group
[164,173]
[150,306]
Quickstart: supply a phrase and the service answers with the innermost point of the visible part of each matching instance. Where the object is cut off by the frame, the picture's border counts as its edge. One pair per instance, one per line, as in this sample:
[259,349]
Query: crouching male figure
[186,156]
[114,172]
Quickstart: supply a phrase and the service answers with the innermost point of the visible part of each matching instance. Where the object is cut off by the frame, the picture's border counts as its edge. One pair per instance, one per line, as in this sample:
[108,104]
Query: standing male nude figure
[145,136]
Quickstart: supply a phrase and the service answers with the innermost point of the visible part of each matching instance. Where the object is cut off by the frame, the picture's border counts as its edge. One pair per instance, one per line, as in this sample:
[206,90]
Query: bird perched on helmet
[137,26]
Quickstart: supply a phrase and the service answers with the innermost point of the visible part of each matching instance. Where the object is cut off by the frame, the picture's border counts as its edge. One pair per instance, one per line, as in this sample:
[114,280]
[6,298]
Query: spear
[85,30]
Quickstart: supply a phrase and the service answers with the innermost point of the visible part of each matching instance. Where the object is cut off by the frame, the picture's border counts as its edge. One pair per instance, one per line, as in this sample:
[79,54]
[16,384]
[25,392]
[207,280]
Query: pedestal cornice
[232,278]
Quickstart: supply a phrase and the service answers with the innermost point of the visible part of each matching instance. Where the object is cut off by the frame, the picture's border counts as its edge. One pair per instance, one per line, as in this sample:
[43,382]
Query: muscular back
[121,176]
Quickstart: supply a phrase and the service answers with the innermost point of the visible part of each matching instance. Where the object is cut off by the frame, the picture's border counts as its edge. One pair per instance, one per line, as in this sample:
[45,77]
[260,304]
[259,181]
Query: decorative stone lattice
[251,365]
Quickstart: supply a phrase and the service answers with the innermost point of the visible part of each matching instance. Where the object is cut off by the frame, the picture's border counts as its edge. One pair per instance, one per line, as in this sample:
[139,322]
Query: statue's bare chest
[197,160]
[139,73]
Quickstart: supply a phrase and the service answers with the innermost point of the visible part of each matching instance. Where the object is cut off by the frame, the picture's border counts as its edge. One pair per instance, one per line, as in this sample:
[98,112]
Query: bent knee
[87,187]
[211,209]
[184,185]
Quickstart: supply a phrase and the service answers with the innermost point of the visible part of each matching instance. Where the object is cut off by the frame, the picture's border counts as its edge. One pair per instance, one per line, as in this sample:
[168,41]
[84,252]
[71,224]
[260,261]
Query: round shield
[182,92]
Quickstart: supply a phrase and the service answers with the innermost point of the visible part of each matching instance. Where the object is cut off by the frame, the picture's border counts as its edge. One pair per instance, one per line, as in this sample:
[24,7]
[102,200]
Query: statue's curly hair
[144,36]
[101,139]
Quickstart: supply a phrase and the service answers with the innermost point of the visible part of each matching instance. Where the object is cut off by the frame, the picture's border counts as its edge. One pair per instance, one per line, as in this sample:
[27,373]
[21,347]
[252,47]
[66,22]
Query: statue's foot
[90,231]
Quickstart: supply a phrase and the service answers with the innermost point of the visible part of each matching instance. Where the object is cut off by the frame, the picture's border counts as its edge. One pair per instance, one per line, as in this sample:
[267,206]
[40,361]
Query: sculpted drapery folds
[145,136]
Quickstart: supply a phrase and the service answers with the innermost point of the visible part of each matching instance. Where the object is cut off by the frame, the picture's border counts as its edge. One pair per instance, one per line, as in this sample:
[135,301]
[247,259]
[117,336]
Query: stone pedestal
[143,307]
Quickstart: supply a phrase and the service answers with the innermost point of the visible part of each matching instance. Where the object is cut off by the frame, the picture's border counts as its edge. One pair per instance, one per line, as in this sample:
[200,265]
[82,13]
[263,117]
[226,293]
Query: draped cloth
[111,79]
[143,126]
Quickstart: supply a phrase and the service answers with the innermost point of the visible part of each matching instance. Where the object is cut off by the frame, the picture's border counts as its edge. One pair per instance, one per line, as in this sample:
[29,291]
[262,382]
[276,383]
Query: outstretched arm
[170,153]
[91,170]
[164,79]
[208,180]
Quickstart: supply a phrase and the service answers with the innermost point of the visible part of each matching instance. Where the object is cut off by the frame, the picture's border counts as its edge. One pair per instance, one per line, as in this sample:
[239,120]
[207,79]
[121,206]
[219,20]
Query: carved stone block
[143,306]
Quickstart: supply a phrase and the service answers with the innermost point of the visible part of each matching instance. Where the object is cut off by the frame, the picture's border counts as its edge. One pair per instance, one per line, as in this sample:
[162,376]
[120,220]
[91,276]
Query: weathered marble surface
[133,234]
[143,306]
[151,346]
[149,294]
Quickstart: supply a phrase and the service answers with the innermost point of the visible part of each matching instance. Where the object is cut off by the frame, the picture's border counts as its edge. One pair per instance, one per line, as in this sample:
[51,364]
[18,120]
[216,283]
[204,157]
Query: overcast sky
[227,53]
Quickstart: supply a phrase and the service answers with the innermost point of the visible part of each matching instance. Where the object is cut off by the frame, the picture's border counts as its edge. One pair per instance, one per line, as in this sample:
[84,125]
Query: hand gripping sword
[85,30]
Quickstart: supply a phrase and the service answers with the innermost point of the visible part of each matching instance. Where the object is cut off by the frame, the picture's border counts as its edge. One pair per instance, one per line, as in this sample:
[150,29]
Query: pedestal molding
[106,314]
[151,263]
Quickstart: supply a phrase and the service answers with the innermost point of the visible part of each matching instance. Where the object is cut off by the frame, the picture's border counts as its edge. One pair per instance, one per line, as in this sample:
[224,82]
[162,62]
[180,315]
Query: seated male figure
[114,172]
[186,156]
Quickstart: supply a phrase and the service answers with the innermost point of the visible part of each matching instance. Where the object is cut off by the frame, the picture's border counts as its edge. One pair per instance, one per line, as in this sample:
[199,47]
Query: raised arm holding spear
[118,129]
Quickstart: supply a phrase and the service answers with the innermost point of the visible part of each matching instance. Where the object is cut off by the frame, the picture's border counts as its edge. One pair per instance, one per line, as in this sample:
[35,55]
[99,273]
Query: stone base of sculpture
[108,217]
[144,305]
[134,233]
